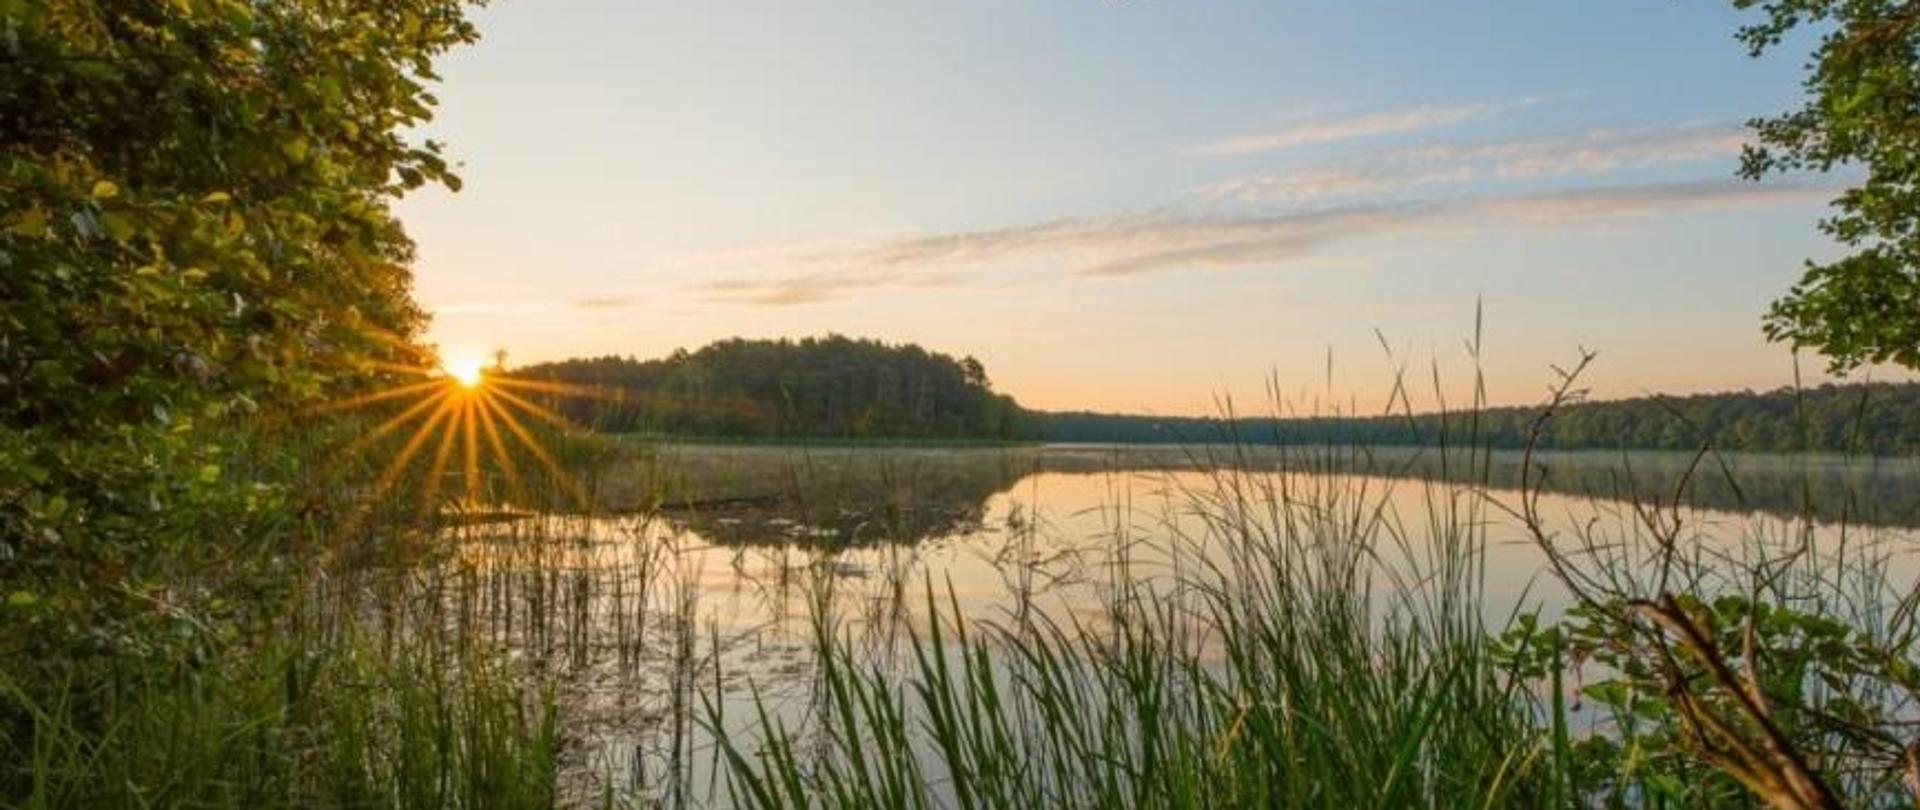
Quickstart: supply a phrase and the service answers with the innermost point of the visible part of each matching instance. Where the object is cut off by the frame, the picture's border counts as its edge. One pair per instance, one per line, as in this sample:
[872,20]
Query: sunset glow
[1267,186]
[465,370]
[456,420]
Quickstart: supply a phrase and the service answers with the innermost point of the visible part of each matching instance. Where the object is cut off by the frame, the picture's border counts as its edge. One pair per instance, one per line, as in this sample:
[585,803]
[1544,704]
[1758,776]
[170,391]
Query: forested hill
[821,387]
[1876,418]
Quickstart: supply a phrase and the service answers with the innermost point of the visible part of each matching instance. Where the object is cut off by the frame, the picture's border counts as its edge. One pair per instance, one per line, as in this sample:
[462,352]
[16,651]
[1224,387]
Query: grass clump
[337,723]
[1259,655]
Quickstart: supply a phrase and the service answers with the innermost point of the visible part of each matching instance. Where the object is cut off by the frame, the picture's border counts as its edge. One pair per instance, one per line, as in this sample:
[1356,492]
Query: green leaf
[31,223]
[117,226]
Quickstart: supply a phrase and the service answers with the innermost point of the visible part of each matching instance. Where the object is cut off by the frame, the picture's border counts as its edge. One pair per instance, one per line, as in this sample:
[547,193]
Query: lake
[695,588]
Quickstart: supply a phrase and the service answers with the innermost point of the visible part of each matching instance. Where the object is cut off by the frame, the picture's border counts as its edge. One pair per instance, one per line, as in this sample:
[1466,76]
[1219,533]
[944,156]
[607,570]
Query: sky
[1145,206]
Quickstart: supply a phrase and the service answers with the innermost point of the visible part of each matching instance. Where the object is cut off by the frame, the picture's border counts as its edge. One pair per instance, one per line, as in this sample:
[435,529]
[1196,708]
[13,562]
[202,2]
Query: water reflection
[838,497]
[713,572]
[1864,491]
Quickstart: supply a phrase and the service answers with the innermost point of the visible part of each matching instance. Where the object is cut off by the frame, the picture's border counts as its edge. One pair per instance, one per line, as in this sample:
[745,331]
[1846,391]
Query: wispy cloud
[1593,152]
[1135,245]
[1387,173]
[593,302]
[1241,241]
[1321,183]
[819,286]
[1342,129]
[806,288]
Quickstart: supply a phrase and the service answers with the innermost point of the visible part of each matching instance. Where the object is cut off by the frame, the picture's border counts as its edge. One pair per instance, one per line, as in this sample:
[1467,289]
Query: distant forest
[840,387]
[834,387]
[1870,418]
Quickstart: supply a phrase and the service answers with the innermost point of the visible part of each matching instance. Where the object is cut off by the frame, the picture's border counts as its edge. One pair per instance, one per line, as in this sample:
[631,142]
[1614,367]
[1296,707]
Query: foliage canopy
[1862,108]
[195,226]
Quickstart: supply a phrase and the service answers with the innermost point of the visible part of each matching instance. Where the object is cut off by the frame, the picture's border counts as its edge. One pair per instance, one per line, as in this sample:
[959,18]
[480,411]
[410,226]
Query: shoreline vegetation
[1273,630]
[841,389]
[260,547]
[1310,655]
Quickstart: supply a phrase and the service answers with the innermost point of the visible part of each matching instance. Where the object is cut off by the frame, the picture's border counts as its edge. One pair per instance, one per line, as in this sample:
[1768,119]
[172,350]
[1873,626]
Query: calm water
[719,586]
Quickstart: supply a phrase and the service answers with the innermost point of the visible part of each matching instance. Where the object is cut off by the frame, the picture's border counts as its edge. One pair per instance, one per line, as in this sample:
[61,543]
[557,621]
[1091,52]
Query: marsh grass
[1266,626]
[280,676]
[296,722]
[1264,658]
[1283,634]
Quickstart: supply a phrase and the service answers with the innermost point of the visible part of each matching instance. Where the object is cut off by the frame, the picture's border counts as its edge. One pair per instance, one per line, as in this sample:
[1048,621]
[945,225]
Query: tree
[1863,108]
[195,226]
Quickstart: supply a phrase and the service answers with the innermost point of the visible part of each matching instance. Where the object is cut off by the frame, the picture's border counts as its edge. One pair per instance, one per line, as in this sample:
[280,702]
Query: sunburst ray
[390,475]
[538,451]
[470,446]
[537,410]
[381,430]
[464,416]
[371,398]
[569,390]
[429,496]
[430,372]
[508,469]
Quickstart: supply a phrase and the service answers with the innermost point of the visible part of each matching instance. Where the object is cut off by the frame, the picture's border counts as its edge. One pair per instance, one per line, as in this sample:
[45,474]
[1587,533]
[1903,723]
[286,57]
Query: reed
[1264,657]
[1249,625]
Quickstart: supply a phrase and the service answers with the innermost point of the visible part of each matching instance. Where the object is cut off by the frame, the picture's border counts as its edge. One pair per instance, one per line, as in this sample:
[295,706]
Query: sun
[455,414]
[467,371]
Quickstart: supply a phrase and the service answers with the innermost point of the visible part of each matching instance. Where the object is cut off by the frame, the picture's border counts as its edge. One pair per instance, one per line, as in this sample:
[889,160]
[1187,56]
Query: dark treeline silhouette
[841,387]
[1876,418]
[820,387]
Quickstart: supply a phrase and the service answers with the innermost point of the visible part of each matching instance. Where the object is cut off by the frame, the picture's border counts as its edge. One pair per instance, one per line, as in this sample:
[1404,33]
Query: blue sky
[1125,205]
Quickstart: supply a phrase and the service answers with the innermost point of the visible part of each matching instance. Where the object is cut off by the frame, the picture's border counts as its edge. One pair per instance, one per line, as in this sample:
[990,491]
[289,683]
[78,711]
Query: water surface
[695,590]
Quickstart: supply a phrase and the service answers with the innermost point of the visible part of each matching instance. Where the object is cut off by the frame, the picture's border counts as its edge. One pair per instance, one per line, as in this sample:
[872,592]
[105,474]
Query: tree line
[841,387]
[1871,418]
